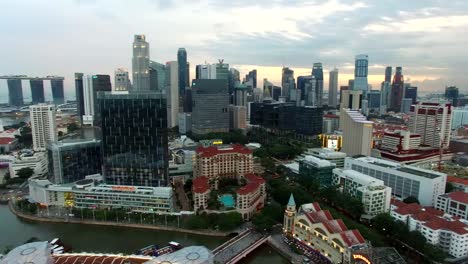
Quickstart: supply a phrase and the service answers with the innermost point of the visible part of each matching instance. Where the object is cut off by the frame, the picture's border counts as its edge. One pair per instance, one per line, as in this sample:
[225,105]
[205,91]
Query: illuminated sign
[218,142]
[123,188]
[362,258]
[332,144]
[331,141]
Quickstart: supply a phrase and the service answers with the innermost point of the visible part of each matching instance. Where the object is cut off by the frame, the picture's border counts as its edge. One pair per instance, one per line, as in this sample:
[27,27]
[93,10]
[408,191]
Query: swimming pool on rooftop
[227,200]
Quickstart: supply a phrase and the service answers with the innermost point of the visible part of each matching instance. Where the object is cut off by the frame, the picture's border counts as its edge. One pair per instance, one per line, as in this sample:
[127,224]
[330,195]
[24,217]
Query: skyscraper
[451,93]
[222,70]
[172,93]
[411,92]
[58,95]
[134,138]
[251,76]
[43,125]
[15,92]
[301,83]
[157,76]
[357,133]
[317,73]
[140,64]
[433,122]
[351,99]
[210,106]
[121,80]
[79,93]
[91,85]
[183,70]
[388,74]
[287,81]
[397,90]
[360,73]
[37,90]
[333,88]
[386,95]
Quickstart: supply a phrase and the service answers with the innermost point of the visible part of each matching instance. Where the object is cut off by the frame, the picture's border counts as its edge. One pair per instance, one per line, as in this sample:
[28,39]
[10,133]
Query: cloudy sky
[60,37]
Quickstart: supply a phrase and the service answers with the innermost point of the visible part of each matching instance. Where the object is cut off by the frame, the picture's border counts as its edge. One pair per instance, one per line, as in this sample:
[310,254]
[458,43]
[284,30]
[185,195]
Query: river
[14,232]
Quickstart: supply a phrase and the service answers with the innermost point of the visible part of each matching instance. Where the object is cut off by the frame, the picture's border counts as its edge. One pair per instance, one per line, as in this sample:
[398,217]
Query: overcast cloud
[60,37]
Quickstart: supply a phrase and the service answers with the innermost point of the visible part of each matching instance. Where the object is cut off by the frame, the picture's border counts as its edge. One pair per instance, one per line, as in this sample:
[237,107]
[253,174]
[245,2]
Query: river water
[14,232]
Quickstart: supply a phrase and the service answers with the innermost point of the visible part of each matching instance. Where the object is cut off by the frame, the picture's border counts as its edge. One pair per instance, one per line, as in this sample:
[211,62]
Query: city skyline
[391,34]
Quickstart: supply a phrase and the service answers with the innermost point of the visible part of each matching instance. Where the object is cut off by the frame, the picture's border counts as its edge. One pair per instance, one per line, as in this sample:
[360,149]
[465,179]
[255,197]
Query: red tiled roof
[6,140]
[461,197]
[331,116]
[454,226]
[248,188]
[316,206]
[408,209]
[397,203]
[319,216]
[417,211]
[335,226]
[211,151]
[200,184]
[252,177]
[352,237]
[76,258]
[457,180]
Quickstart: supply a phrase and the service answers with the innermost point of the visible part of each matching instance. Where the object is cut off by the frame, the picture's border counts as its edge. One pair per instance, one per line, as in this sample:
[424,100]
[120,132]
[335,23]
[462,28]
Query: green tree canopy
[25,173]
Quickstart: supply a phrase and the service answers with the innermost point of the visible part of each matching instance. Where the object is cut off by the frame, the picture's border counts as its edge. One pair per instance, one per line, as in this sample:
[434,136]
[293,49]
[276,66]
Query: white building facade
[404,180]
[43,125]
[172,93]
[357,133]
[140,64]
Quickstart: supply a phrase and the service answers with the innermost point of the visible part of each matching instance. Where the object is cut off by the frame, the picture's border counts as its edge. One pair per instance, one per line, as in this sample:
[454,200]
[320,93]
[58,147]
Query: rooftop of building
[200,184]
[454,179]
[403,168]
[317,162]
[253,183]
[211,151]
[357,116]
[461,197]
[360,177]
[326,153]
[431,218]
[7,140]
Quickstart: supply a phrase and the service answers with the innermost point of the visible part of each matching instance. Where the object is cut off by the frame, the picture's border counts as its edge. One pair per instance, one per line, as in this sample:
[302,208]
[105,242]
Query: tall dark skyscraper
[134,138]
[287,81]
[79,95]
[183,70]
[37,91]
[317,72]
[411,92]
[301,85]
[397,90]
[252,75]
[58,95]
[451,93]
[388,74]
[15,92]
[210,106]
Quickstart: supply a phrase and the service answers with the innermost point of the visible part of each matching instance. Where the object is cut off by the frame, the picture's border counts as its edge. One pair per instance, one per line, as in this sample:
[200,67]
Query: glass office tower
[134,138]
[72,160]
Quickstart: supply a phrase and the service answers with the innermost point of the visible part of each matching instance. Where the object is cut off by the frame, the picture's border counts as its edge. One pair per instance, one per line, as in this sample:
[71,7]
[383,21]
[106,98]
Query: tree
[72,127]
[410,200]
[229,221]
[25,173]
[188,185]
[449,187]
[262,222]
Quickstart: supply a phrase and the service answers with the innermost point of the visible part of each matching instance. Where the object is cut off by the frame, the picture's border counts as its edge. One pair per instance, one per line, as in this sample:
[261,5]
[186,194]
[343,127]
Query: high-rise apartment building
[140,64]
[373,100]
[333,88]
[210,106]
[172,93]
[121,80]
[79,93]
[92,84]
[433,122]
[134,138]
[360,73]
[357,133]
[397,90]
[459,117]
[73,160]
[287,77]
[183,71]
[43,125]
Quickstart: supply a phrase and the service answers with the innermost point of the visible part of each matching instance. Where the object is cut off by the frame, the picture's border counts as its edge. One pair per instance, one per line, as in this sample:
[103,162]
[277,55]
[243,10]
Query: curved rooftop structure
[188,255]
